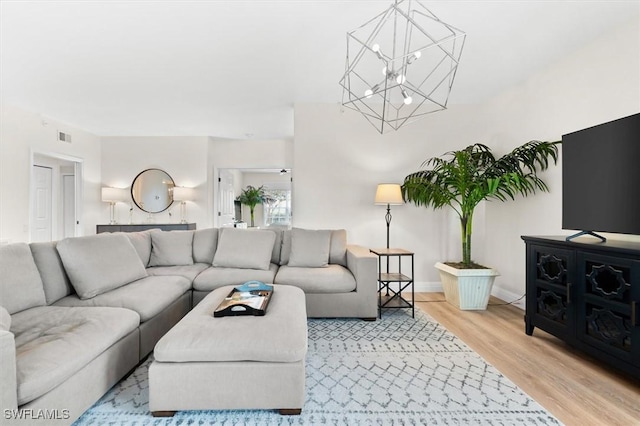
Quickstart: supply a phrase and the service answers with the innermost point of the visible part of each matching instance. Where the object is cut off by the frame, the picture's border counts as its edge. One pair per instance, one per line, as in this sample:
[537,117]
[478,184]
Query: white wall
[339,158]
[599,83]
[23,133]
[183,158]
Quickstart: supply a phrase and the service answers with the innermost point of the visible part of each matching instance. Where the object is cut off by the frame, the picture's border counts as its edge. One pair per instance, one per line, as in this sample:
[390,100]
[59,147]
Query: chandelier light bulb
[375,47]
[384,71]
[407,98]
[417,54]
[368,93]
[400,79]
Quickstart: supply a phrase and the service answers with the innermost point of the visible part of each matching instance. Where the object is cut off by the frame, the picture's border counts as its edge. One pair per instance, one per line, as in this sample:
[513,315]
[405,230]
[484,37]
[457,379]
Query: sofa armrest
[364,266]
[8,386]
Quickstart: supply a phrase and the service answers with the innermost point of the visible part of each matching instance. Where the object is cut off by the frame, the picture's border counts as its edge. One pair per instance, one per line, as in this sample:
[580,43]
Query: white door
[42,188]
[69,205]
[226,196]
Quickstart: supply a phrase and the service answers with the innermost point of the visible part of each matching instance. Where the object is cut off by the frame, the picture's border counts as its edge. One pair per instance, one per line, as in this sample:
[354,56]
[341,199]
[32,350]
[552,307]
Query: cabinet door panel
[604,314]
[549,290]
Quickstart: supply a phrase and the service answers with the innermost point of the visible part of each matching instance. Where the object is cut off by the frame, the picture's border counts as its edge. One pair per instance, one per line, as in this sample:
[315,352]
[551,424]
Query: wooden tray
[239,303]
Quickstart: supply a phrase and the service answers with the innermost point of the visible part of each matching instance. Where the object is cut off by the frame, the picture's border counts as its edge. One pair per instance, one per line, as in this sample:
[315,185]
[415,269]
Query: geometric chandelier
[400,65]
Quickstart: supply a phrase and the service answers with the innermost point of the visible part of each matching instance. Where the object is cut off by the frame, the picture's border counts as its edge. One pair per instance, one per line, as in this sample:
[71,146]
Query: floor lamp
[391,195]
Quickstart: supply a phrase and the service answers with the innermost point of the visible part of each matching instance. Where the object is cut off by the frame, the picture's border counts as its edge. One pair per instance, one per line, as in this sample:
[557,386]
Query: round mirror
[152,190]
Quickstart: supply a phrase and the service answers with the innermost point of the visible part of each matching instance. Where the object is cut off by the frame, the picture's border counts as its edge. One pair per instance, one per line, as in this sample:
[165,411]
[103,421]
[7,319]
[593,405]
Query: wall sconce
[183,195]
[389,194]
[113,196]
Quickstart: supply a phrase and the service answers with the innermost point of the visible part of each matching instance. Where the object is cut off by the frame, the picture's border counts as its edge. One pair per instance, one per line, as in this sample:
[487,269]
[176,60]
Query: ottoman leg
[290,411]
[163,413]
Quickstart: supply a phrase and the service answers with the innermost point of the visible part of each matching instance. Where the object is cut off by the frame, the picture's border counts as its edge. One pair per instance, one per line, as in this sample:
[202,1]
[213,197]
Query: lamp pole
[387,217]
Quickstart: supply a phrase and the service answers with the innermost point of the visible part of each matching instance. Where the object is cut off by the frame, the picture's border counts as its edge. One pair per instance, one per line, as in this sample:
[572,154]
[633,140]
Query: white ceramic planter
[467,289]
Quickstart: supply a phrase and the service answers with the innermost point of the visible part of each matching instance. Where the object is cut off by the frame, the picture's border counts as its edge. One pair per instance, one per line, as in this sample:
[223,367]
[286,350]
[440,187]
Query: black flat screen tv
[601,178]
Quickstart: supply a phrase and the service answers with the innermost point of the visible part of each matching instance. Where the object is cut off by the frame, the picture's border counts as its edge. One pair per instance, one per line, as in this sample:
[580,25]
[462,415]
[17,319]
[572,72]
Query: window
[277,205]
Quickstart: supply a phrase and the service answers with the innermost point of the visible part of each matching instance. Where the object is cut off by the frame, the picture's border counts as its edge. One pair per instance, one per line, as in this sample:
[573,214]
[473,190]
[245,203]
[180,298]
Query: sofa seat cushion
[148,296]
[332,279]
[53,343]
[188,271]
[215,277]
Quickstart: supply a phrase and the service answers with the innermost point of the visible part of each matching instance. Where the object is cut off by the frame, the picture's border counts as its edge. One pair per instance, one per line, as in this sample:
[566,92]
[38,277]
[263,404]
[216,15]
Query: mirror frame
[170,187]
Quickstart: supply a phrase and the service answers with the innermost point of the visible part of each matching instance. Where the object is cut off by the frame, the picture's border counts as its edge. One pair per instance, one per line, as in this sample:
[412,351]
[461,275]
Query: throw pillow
[20,283]
[171,248]
[98,263]
[244,249]
[310,248]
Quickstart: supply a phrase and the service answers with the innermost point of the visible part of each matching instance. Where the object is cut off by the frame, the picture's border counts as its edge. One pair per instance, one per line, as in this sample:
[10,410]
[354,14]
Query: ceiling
[234,69]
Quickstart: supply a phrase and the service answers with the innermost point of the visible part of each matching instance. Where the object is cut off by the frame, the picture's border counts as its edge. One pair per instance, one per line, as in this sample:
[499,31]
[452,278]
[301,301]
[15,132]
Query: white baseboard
[428,287]
[509,296]
[500,293]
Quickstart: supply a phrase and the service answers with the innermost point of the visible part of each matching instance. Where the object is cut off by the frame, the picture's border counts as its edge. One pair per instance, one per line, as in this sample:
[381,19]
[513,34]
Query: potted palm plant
[461,180]
[252,196]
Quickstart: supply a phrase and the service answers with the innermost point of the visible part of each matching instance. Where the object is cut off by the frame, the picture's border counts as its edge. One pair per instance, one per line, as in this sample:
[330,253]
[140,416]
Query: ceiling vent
[64,137]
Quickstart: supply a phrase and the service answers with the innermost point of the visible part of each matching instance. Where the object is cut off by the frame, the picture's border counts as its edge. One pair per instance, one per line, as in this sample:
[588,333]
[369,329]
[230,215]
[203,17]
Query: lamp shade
[180,193]
[389,193]
[113,195]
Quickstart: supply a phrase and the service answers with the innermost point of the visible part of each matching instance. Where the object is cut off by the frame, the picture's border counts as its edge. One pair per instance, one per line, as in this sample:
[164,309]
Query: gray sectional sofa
[77,315]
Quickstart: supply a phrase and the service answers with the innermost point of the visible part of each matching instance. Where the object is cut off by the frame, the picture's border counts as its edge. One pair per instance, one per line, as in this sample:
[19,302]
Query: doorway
[275,212]
[55,197]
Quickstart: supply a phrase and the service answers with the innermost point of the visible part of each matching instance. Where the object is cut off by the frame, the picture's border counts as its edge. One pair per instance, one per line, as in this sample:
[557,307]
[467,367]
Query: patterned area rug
[397,370]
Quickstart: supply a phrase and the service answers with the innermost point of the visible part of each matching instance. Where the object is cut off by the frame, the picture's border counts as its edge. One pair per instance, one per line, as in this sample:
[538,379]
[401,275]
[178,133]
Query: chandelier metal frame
[418,65]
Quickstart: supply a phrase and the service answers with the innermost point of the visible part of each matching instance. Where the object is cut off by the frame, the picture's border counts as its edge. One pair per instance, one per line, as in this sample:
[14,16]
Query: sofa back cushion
[309,248]
[54,277]
[20,283]
[5,319]
[171,248]
[98,263]
[142,243]
[337,248]
[244,249]
[277,245]
[205,242]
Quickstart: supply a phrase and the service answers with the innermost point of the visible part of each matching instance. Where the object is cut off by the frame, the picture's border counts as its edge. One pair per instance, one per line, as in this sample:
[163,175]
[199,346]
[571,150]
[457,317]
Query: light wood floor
[574,387]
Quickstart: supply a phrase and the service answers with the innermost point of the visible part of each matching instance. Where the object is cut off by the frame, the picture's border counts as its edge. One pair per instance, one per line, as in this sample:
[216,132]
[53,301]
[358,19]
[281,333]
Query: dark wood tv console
[587,293]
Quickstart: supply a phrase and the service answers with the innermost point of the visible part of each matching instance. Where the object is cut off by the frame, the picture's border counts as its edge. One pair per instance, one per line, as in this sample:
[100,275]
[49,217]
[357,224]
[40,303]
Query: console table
[145,226]
[388,297]
[587,293]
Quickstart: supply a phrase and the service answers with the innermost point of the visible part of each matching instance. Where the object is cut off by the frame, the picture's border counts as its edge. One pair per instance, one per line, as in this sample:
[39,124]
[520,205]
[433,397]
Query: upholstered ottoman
[241,362]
